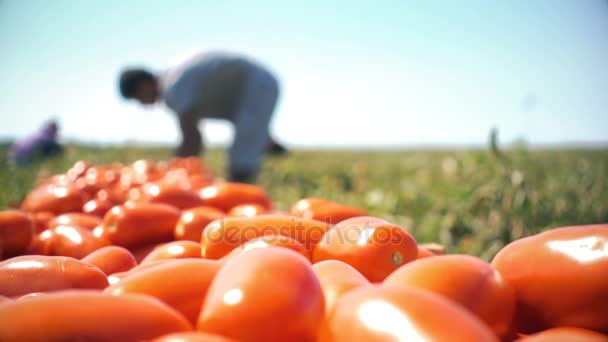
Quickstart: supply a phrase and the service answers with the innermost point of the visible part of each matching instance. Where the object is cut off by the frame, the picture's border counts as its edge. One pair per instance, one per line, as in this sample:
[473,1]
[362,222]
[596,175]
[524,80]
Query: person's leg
[251,126]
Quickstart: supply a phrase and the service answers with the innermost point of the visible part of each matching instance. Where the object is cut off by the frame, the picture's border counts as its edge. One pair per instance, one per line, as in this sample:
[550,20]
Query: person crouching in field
[219,86]
[43,143]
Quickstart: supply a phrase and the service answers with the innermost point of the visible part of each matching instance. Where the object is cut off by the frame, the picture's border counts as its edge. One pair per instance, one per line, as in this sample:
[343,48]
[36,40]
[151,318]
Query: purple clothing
[25,148]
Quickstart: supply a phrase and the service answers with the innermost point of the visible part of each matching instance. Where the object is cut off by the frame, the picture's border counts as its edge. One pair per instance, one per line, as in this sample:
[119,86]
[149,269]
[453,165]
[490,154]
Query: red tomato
[41,220]
[267,241]
[223,235]
[75,220]
[265,294]
[141,252]
[97,207]
[4,300]
[181,284]
[325,210]
[559,278]
[111,259]
[57,199]
[434,248]
[225,196]
[88,316]
[424,253]
[192,166]
[565,335]
[69,241]
[16,231]
[192,222]
[139,224]
[193,337]
[181,197]
[396,313]
[337,278]
[174,250]
[467,280]
[373,246]
[36,273]
[247,210]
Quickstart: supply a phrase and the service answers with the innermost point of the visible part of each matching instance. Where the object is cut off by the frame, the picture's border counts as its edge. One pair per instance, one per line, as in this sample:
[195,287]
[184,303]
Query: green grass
[471,201]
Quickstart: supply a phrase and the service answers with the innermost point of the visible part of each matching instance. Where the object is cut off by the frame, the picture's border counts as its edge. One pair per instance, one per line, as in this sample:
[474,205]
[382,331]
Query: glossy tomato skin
[75,242]
[265,294]
[337,278]
[225,196]
[372,246]
[193,337]
[247,210]
[399,313]
[111,259]
[174,250]
[90,316]
[559,278]
[565,335]
[466,280]
[75,220]
[268,241]
[57,199]
[41,220]
[325,210]
[221,236]
[181,197]
[139,224]
[36,273]
[182,284]
[97,207]
[192,222]
[16,232]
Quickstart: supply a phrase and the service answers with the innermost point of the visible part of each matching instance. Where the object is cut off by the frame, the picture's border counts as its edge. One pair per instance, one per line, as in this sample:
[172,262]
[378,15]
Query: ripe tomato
[336,279]
[97,207]
[174,250]
[267,241]
[325,210]
[192,222]
[75,220]
[399,313]
[373,246]
[111,259]
[57,199]
[88,316]
[265,294]
[41,220]
[4,300]
[139,224]
[434,248]
[182,197]
[225,196]
[193,337]
[181,284]
[247,210]
[75,242]
[223,235]
[467,280]
[565,335]
[424,253]
[559,278]
[16,231]
[141,252]
[37,273]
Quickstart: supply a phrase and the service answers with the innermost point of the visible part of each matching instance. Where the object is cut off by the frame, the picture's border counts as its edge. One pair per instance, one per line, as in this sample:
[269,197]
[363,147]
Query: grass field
[470,201]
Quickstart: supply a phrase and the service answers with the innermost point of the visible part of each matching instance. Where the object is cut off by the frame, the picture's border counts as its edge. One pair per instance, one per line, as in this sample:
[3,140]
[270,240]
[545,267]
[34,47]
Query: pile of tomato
[160,251]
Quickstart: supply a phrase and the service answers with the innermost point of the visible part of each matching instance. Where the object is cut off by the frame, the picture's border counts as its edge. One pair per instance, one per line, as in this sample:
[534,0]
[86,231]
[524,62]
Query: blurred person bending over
[42,143]
[219,86]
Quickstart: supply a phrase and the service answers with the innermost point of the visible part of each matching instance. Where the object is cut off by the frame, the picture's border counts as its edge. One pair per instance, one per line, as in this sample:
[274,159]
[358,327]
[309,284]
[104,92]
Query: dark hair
[130,79]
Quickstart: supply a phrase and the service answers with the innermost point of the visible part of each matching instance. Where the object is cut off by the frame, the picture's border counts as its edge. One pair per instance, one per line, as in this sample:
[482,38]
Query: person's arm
[192,141]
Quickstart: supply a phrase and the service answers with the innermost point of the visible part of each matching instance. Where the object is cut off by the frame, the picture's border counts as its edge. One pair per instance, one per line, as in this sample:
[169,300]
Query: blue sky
[354,73]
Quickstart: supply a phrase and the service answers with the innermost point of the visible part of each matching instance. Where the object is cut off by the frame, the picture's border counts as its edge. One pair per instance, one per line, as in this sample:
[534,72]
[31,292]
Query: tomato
[37,273]
[139,224]
[337,278]
[565,335]
[267,241]
[141,252]
[223,235]
[69,241]
[88,316]
[434,248]
[192,166]
[248,210]
[75,220]
[225,196]
[265,294]
[4,300]
[467,280]
[57,199]
[174,250]
[399,313]
[181,197]
[424,253]
[373,246]
[559,278]
[78,170]
[111,259]
[41,220]
[193,337]
[192,222]
[97,207]
[325,210]
[182,284]
[16,232]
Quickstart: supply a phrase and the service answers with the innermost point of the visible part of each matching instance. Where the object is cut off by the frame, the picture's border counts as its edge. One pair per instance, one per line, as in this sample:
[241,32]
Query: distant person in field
[41,144]
[219,86]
